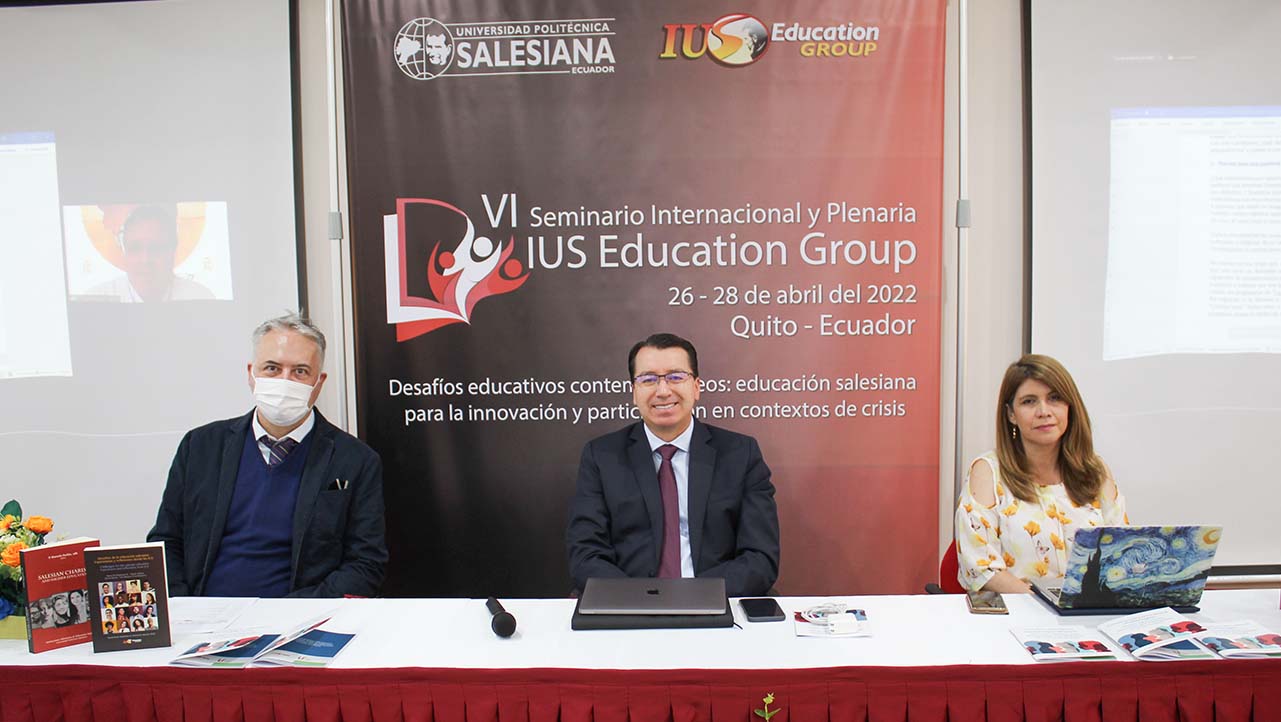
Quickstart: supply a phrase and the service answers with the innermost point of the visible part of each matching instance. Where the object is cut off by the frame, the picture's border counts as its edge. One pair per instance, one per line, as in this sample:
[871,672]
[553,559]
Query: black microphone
[503,623]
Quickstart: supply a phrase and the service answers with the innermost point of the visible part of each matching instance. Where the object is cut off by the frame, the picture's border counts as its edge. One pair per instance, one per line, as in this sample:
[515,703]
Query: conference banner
[536,186]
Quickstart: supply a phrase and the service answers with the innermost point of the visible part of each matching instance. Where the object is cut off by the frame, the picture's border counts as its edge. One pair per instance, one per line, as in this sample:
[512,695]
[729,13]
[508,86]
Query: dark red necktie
[669,565]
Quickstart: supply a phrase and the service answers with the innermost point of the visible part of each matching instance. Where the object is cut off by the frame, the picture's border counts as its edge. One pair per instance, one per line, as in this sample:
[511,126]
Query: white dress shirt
[297,434]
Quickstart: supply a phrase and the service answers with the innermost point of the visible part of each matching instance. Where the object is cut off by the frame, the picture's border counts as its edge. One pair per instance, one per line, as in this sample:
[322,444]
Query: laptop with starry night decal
[1124,569]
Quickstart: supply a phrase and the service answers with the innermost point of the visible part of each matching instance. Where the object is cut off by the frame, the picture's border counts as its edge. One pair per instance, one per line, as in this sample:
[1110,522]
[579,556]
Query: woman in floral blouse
[1022,503]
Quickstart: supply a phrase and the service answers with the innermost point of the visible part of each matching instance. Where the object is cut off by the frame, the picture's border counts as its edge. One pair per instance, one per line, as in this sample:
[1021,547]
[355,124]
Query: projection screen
[1156,250]
[146,226]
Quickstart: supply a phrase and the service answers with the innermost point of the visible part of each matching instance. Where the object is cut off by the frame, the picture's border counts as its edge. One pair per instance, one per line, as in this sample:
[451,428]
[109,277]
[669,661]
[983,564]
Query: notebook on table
[623,603]
[1124,569]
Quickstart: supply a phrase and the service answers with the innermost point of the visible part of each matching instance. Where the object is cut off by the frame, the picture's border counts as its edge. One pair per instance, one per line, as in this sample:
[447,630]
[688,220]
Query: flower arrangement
[17,534]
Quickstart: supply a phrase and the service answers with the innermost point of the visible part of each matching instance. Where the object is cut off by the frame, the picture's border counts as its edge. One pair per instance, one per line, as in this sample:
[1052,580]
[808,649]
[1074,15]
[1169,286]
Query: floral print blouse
[1029,540]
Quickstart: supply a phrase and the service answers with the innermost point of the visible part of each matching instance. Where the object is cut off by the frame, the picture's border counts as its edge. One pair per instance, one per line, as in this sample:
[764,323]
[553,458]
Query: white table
[926,653]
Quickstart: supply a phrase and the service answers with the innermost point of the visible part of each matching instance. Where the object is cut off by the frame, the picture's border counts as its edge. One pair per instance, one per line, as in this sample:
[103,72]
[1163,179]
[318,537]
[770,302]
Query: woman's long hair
[1082,470]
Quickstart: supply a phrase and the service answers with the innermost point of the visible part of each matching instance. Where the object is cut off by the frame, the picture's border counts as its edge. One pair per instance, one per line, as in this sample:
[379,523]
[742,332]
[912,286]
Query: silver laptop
[704,595]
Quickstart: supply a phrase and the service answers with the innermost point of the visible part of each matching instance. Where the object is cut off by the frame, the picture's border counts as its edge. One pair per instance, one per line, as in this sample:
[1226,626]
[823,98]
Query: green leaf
[13,509]
[760,713]
[770,713]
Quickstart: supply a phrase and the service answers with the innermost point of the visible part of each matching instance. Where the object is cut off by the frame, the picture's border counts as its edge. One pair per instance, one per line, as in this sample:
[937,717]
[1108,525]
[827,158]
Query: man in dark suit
[278,502]
[670,496]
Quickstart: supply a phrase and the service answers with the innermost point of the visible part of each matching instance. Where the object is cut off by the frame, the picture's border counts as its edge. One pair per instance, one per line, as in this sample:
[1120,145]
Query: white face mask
[281,401]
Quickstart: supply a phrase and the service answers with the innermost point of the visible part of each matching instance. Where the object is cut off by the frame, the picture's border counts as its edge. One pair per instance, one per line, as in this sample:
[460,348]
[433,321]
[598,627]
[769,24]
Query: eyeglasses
[673,378]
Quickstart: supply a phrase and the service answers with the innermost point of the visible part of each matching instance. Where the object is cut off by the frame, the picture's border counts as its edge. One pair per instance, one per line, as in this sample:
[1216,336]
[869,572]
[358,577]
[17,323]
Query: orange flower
[1009,560]
[969,508]
[1056,541]
[10,554]
[1011,510]
[1032,528]
[985,524]
[983,562]
[1042,567]
[981,541]
[6,521]
[1096,504]
[40,524]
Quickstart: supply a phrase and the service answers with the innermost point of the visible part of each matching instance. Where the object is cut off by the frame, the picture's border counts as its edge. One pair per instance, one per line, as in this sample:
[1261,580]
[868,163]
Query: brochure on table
[306,645]
[1064,643]
[1158,635]
[831,621]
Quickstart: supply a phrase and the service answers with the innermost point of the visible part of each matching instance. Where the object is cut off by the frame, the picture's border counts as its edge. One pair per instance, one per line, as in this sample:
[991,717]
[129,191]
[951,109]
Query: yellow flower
[981,541]
[1042,567]
[999,490]
[983,562]
[40,524]
[1009,560]
[6,521]
[1032,528]
[1096,504]
[1011,510]
[969,508]
[985,524]
[10,554]
[1056,542]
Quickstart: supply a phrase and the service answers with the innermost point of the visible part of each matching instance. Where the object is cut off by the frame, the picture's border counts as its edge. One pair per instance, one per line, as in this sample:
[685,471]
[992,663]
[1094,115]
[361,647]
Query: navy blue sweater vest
[254,557]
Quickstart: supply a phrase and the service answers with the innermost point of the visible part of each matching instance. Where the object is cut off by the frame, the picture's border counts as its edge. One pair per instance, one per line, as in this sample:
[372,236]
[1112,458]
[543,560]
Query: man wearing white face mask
[278,502]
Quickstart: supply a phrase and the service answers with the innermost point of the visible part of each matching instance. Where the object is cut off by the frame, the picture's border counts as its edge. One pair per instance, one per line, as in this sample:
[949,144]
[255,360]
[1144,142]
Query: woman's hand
[1006,583]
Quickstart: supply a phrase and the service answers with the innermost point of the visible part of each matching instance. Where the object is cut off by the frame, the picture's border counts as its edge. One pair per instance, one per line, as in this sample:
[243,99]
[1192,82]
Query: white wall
[994,281]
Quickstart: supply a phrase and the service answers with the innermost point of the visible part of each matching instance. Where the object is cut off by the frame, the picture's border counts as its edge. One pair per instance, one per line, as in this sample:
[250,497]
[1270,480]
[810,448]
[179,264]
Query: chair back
[949,567]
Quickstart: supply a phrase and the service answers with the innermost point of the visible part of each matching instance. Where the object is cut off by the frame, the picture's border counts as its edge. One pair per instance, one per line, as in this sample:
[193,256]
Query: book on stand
[57,594]
[130,594]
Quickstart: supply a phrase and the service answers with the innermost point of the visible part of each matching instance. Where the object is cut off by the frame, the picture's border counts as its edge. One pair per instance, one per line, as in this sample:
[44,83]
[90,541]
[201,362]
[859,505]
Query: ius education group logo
[426,48]
[739,39]
[734,40]
[461,271]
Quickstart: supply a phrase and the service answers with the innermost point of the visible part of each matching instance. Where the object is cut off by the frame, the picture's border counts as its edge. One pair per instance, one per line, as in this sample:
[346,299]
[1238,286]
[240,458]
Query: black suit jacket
[339,542]
[616,517]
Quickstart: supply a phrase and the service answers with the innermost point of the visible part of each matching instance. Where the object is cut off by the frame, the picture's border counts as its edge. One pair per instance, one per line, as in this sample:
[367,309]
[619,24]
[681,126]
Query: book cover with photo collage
[57,594]
[130,596]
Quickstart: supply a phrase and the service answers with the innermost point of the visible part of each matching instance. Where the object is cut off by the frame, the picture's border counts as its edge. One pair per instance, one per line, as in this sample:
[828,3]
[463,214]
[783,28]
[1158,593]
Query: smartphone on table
[761,609]
[982,602]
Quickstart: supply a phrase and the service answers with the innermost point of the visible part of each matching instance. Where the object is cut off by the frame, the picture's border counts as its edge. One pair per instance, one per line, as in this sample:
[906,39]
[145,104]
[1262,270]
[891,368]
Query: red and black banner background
[536,186]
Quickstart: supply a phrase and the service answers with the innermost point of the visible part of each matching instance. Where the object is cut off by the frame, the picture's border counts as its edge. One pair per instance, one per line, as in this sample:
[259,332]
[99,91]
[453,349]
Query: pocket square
[338,485]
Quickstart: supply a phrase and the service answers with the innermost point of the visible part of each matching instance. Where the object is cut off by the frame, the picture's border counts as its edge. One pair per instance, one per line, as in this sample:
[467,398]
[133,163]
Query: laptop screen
[1139,566]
